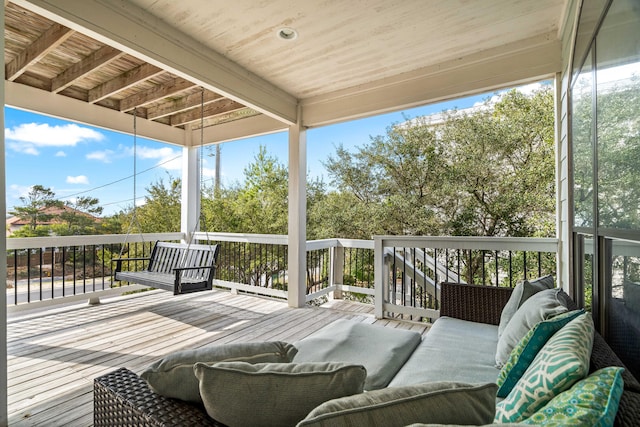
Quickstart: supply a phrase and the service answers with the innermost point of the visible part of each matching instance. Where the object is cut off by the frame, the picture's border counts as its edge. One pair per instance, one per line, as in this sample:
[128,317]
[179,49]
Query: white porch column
[190,206]
[297,238]
[3,264]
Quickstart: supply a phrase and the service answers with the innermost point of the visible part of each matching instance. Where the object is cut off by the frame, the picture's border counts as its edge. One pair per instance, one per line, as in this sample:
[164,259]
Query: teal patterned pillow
[528,347]
[562,361]
[590,402]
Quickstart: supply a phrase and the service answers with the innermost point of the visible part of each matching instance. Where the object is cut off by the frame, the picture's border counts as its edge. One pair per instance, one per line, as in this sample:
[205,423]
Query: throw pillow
[172,376]
[539,307]
[590,402]
[437,402]
[528,347]
[562,361]
[522,292]
[273,394]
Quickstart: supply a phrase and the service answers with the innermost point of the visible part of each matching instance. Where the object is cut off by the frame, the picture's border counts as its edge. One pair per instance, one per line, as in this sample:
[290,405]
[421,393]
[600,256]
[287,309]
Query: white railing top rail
[100,239]
[282,239]
[533,244]
[271,239]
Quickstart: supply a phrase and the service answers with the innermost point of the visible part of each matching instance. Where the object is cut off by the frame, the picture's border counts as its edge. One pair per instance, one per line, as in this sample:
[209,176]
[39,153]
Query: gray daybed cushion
[541,306]
[522,292]
[453,350]
[438,402]
[382,351]
[273,394]
[172,376]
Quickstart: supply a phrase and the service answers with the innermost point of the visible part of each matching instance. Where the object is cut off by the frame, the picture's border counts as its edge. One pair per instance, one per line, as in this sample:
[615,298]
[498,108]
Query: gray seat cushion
[453,350]
[382,351]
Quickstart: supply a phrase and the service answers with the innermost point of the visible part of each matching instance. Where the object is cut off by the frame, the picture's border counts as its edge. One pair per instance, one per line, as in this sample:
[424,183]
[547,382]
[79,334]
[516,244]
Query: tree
[161,211]
[489,172]
[79,217]
[35,203]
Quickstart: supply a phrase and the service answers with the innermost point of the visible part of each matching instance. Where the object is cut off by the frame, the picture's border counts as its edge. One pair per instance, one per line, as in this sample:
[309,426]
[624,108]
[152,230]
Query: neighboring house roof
[15,222]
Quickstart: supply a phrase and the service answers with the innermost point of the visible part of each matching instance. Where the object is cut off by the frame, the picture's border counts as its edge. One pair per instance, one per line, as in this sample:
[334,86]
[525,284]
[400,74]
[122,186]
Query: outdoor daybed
[449,377]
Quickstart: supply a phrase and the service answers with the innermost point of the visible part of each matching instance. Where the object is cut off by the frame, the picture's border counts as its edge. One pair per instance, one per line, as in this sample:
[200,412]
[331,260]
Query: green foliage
[35,202]
[159,214]
[80,218]
[485,173]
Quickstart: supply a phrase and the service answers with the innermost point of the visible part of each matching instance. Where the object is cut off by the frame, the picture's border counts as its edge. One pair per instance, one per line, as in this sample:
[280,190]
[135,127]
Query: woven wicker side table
[122,398]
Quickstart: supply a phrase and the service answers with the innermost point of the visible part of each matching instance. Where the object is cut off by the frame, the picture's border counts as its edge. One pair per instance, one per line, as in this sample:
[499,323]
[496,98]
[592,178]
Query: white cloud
[61,154]
[80,179]
[104,156]
[23,148]
[16,191]
[167,157]
[28,137]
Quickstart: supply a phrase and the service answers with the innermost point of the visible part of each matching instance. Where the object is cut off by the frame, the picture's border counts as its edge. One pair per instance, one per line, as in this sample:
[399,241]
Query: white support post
[297,239]
[4,417]
[378,277]
[337,270]
[190,211]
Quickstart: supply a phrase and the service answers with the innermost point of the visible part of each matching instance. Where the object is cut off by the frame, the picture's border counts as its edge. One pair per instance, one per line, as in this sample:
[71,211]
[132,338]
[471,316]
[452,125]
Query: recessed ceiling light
[287,33]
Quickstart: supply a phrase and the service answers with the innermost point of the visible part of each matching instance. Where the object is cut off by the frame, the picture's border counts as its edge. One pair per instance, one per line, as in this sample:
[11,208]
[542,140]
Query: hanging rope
[134,215]
[201,217]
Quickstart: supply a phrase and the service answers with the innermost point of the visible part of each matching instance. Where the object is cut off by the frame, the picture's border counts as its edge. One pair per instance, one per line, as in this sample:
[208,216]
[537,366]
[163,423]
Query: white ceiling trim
[506,66]
[43,102]
[133,30]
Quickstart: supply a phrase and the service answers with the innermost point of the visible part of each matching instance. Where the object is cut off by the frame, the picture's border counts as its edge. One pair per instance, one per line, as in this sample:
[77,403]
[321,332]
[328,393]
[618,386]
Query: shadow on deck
[54,354]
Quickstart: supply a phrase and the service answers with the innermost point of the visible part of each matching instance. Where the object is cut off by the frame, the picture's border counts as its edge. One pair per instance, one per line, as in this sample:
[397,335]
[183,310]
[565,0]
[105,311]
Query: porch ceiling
[98,61]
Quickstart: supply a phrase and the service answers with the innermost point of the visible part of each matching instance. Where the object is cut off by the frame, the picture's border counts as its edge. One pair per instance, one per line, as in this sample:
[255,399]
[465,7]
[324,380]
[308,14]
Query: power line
[122,179]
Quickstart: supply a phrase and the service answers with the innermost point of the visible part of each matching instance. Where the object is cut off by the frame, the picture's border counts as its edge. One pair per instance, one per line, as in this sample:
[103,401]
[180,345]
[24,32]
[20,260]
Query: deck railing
[409,269]
[50,268]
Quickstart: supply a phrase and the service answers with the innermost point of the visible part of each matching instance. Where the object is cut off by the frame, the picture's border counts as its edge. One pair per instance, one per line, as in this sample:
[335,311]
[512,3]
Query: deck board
[54,354]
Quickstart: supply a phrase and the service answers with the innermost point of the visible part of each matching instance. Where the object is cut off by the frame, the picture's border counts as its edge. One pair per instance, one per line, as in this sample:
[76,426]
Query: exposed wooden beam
[160,91]
[214,109]
[49,40]
[178,105]
[100,57]
[132,29]
[124,81]
[51,104]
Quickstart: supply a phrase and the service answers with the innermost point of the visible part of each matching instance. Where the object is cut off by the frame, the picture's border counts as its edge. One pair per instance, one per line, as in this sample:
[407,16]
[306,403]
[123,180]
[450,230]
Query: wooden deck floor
[55,354]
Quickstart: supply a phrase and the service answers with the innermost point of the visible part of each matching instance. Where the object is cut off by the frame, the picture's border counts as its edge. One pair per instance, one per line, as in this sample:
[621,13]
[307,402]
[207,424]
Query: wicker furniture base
[122,398]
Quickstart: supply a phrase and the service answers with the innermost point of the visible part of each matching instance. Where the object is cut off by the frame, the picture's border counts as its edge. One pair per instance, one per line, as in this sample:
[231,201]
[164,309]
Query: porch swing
[177,267]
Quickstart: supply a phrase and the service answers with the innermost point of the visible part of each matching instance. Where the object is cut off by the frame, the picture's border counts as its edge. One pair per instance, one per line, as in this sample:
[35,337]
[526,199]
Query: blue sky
[78,160]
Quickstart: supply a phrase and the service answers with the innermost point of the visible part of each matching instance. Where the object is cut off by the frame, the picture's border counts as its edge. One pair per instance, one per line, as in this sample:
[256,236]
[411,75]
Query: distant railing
[258,263]
[50,268]
[47,268]
[409,269]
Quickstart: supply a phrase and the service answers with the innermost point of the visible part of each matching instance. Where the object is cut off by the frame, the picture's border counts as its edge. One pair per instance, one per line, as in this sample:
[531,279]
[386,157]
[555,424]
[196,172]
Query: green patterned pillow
[528,347]
[562,361]
[590,402]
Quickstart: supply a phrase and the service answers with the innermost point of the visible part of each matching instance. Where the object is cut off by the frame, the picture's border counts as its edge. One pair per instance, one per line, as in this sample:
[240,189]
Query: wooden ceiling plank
[124,81]
[161,91]
[100,57]
[214,109]
[134,30]
[48,41]
[179,105]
